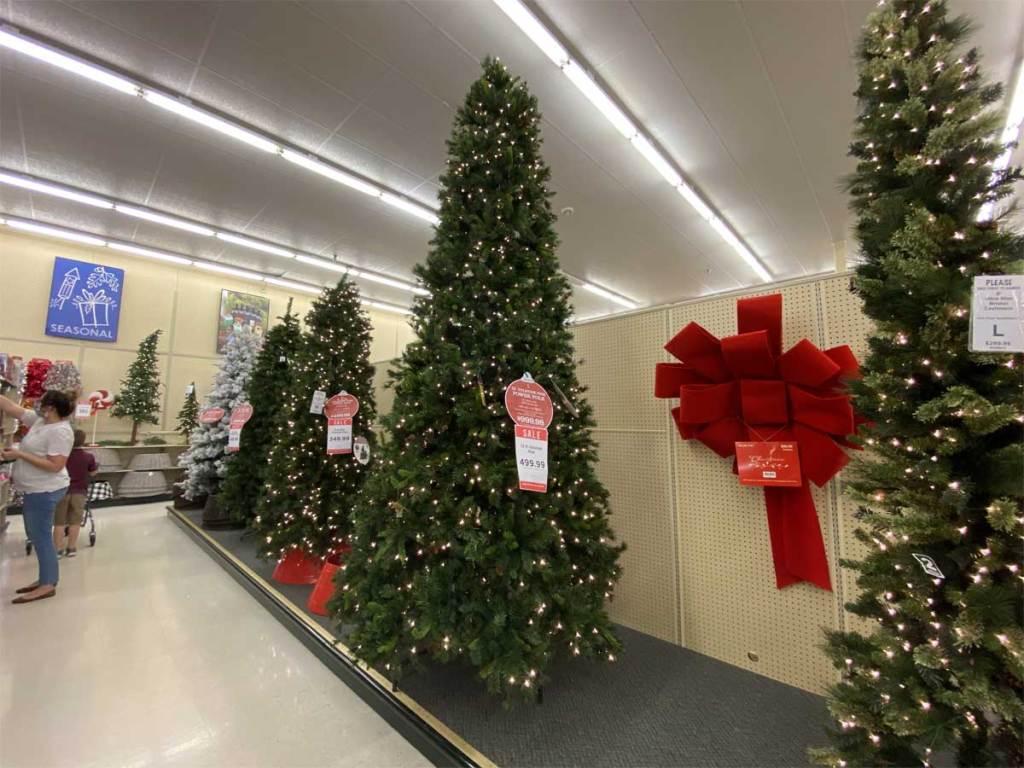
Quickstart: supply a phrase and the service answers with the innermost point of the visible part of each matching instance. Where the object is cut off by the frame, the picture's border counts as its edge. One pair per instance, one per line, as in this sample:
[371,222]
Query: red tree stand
[297,567]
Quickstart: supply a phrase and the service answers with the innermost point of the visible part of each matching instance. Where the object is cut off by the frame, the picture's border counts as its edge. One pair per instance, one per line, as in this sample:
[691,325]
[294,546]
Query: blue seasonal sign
[85,300]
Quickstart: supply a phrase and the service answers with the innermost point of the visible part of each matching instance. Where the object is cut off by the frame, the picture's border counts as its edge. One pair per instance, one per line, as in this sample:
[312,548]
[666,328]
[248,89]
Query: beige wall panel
[105,368]
[183,371]
[616,364]
[384,343]
[50,350]
[385,396]
[635,468]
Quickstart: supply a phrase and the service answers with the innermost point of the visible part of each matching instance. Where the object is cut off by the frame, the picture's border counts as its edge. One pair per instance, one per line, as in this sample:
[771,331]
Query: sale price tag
[339,411]
[530,408]
[211,415]
[532,458]
[239,415]
[769,463]
[83,410]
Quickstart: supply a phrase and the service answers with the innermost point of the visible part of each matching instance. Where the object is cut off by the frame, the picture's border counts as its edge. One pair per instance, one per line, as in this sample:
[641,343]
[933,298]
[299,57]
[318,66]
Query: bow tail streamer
[797,547]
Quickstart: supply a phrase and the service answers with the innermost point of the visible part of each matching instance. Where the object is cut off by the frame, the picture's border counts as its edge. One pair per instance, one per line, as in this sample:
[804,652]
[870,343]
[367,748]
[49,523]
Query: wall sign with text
[85,300]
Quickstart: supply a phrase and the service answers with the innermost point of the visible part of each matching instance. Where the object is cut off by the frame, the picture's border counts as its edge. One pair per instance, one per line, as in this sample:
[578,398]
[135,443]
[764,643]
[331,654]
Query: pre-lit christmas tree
[206,459]
[188,416]
[139,398]
[452,560]
[271,376]
[943,669]
[309,494]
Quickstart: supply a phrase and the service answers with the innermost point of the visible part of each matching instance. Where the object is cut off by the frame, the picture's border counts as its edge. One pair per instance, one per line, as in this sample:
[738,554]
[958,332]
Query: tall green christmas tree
[309,494]
[451,559]
[139,398]
[941,486]
[188,416]
[271,377]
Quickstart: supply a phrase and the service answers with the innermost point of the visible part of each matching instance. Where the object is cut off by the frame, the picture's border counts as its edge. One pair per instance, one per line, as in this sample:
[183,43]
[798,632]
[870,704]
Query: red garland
[742,387]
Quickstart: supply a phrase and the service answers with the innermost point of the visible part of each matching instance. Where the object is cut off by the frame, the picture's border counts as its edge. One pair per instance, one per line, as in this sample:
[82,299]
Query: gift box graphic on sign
[94,308]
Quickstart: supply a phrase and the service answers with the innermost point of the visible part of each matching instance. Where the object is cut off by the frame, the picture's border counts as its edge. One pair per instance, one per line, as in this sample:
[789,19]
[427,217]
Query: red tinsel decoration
[35,374]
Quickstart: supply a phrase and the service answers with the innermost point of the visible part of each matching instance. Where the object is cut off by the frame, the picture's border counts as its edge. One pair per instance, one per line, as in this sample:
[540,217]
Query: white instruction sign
[317,404]
[997,322]
[83,410]
[532,458]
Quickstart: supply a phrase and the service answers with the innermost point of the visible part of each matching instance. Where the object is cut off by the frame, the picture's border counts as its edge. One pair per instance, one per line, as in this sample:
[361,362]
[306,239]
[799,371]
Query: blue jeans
[37,509]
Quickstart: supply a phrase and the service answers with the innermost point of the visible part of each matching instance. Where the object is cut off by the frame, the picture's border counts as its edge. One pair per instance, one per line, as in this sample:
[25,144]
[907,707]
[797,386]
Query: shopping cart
[88,521]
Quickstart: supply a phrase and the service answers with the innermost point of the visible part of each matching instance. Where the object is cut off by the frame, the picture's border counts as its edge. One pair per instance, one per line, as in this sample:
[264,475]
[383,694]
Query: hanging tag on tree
[239,415]
[772,464]
[361,450]
[339,411]
[190,389]
[211,415]
[530,408]
[317,404]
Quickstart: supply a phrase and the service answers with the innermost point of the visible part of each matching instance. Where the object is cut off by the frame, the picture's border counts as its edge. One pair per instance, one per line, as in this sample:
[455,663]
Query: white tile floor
[151,655]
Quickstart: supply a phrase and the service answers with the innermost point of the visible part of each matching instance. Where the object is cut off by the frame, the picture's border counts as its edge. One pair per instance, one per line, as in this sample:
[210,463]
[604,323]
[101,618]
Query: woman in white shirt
[40,475]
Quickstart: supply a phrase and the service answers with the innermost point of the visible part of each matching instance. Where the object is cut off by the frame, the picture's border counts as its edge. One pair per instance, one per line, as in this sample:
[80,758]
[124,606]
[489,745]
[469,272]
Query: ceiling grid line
[202,53]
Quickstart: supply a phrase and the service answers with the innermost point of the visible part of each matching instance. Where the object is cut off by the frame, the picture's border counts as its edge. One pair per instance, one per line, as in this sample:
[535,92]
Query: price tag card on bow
[239,415]
[530,407]
[339,411]
[769,463]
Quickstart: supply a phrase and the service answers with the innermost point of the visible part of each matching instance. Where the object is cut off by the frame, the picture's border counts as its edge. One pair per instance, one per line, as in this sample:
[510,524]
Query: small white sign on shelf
[997,322]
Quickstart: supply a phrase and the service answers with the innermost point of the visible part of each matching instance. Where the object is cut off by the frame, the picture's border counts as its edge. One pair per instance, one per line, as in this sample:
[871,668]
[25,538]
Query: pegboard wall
[698,570]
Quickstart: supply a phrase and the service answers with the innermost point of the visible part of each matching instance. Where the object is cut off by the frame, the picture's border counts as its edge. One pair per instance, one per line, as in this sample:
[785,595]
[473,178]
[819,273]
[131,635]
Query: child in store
[71,509]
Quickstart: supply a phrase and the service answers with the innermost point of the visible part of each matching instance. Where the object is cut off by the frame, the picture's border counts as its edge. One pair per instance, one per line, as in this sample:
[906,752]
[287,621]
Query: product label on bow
[532,458]
[530,408]
[339,411]
[83,410]
[211,415]
[241,414]
[769,463]
[317,404]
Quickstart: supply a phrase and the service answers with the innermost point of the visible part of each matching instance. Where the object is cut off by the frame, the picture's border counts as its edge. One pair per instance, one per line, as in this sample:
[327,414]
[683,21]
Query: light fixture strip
[548,43]
[157,217]
[17,40]
[71,235]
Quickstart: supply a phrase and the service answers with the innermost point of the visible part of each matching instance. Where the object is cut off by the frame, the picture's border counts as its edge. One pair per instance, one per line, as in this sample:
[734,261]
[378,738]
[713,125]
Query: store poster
[241,312]
[85,300]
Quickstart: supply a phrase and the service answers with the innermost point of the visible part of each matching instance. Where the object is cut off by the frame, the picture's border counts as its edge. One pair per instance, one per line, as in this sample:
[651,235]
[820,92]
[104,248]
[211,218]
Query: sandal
[23,590]
[23,600]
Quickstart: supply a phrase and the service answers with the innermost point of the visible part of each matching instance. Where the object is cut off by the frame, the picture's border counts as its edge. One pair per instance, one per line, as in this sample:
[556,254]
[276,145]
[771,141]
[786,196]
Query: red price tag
[528,403]
[343,405]
[339,411]
[211,415]
[530,408]
[769,463]
[240,414]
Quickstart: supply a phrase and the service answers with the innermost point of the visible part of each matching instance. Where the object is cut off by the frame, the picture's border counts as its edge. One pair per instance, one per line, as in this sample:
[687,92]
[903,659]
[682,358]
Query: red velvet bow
[743,388]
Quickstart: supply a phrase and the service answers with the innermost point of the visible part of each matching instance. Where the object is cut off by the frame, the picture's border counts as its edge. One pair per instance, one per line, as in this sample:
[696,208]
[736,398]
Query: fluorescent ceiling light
[211,267]
[737,245]
[9,38]
[162,218]
[386,307]
[54,190]
[533,29]
[691,196]
[409,207]
[255,245]
[654,157]
[606,294]
[292,286]
[578,76]
[392,281]
[59,232]
[330,172]
[322,263]
[149,253]
[203,117]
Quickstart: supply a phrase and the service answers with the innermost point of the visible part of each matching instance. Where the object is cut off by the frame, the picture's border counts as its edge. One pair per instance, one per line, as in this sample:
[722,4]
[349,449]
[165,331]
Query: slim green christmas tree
[941,488]
[271,377]
[188,416]
[139,398]
[309,494]
[451,559]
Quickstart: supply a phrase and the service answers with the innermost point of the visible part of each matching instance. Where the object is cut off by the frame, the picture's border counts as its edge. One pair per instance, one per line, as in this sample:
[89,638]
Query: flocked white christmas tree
[206,459]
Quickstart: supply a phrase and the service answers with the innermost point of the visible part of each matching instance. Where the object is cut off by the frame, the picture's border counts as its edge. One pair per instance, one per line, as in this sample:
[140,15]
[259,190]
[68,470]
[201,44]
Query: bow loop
[669,377]
[806,365]
[749,355]
[701,351]
[762,313]
[833,415]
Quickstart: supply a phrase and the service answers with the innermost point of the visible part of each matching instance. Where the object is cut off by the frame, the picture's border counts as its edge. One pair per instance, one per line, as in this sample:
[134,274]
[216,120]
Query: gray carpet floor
[659,705]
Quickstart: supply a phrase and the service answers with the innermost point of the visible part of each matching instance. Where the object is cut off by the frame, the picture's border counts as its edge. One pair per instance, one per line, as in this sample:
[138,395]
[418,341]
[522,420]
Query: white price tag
[83,410]
[997,317]
[339,436]
[190,389]
[234,439]
[532,458]
[319,398]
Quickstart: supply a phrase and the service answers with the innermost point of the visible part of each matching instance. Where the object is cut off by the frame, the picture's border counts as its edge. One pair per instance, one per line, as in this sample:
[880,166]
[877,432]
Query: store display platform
[659,705]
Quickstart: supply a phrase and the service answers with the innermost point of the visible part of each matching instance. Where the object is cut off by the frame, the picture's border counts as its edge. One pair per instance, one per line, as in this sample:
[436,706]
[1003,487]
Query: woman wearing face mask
[40,475]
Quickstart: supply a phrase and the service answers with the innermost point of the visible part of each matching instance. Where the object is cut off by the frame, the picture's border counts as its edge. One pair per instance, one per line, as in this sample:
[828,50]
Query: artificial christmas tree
[941,488]
[139,398]
[306,504]
[271,377]
[188,416]
[206,459]
[451,559]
